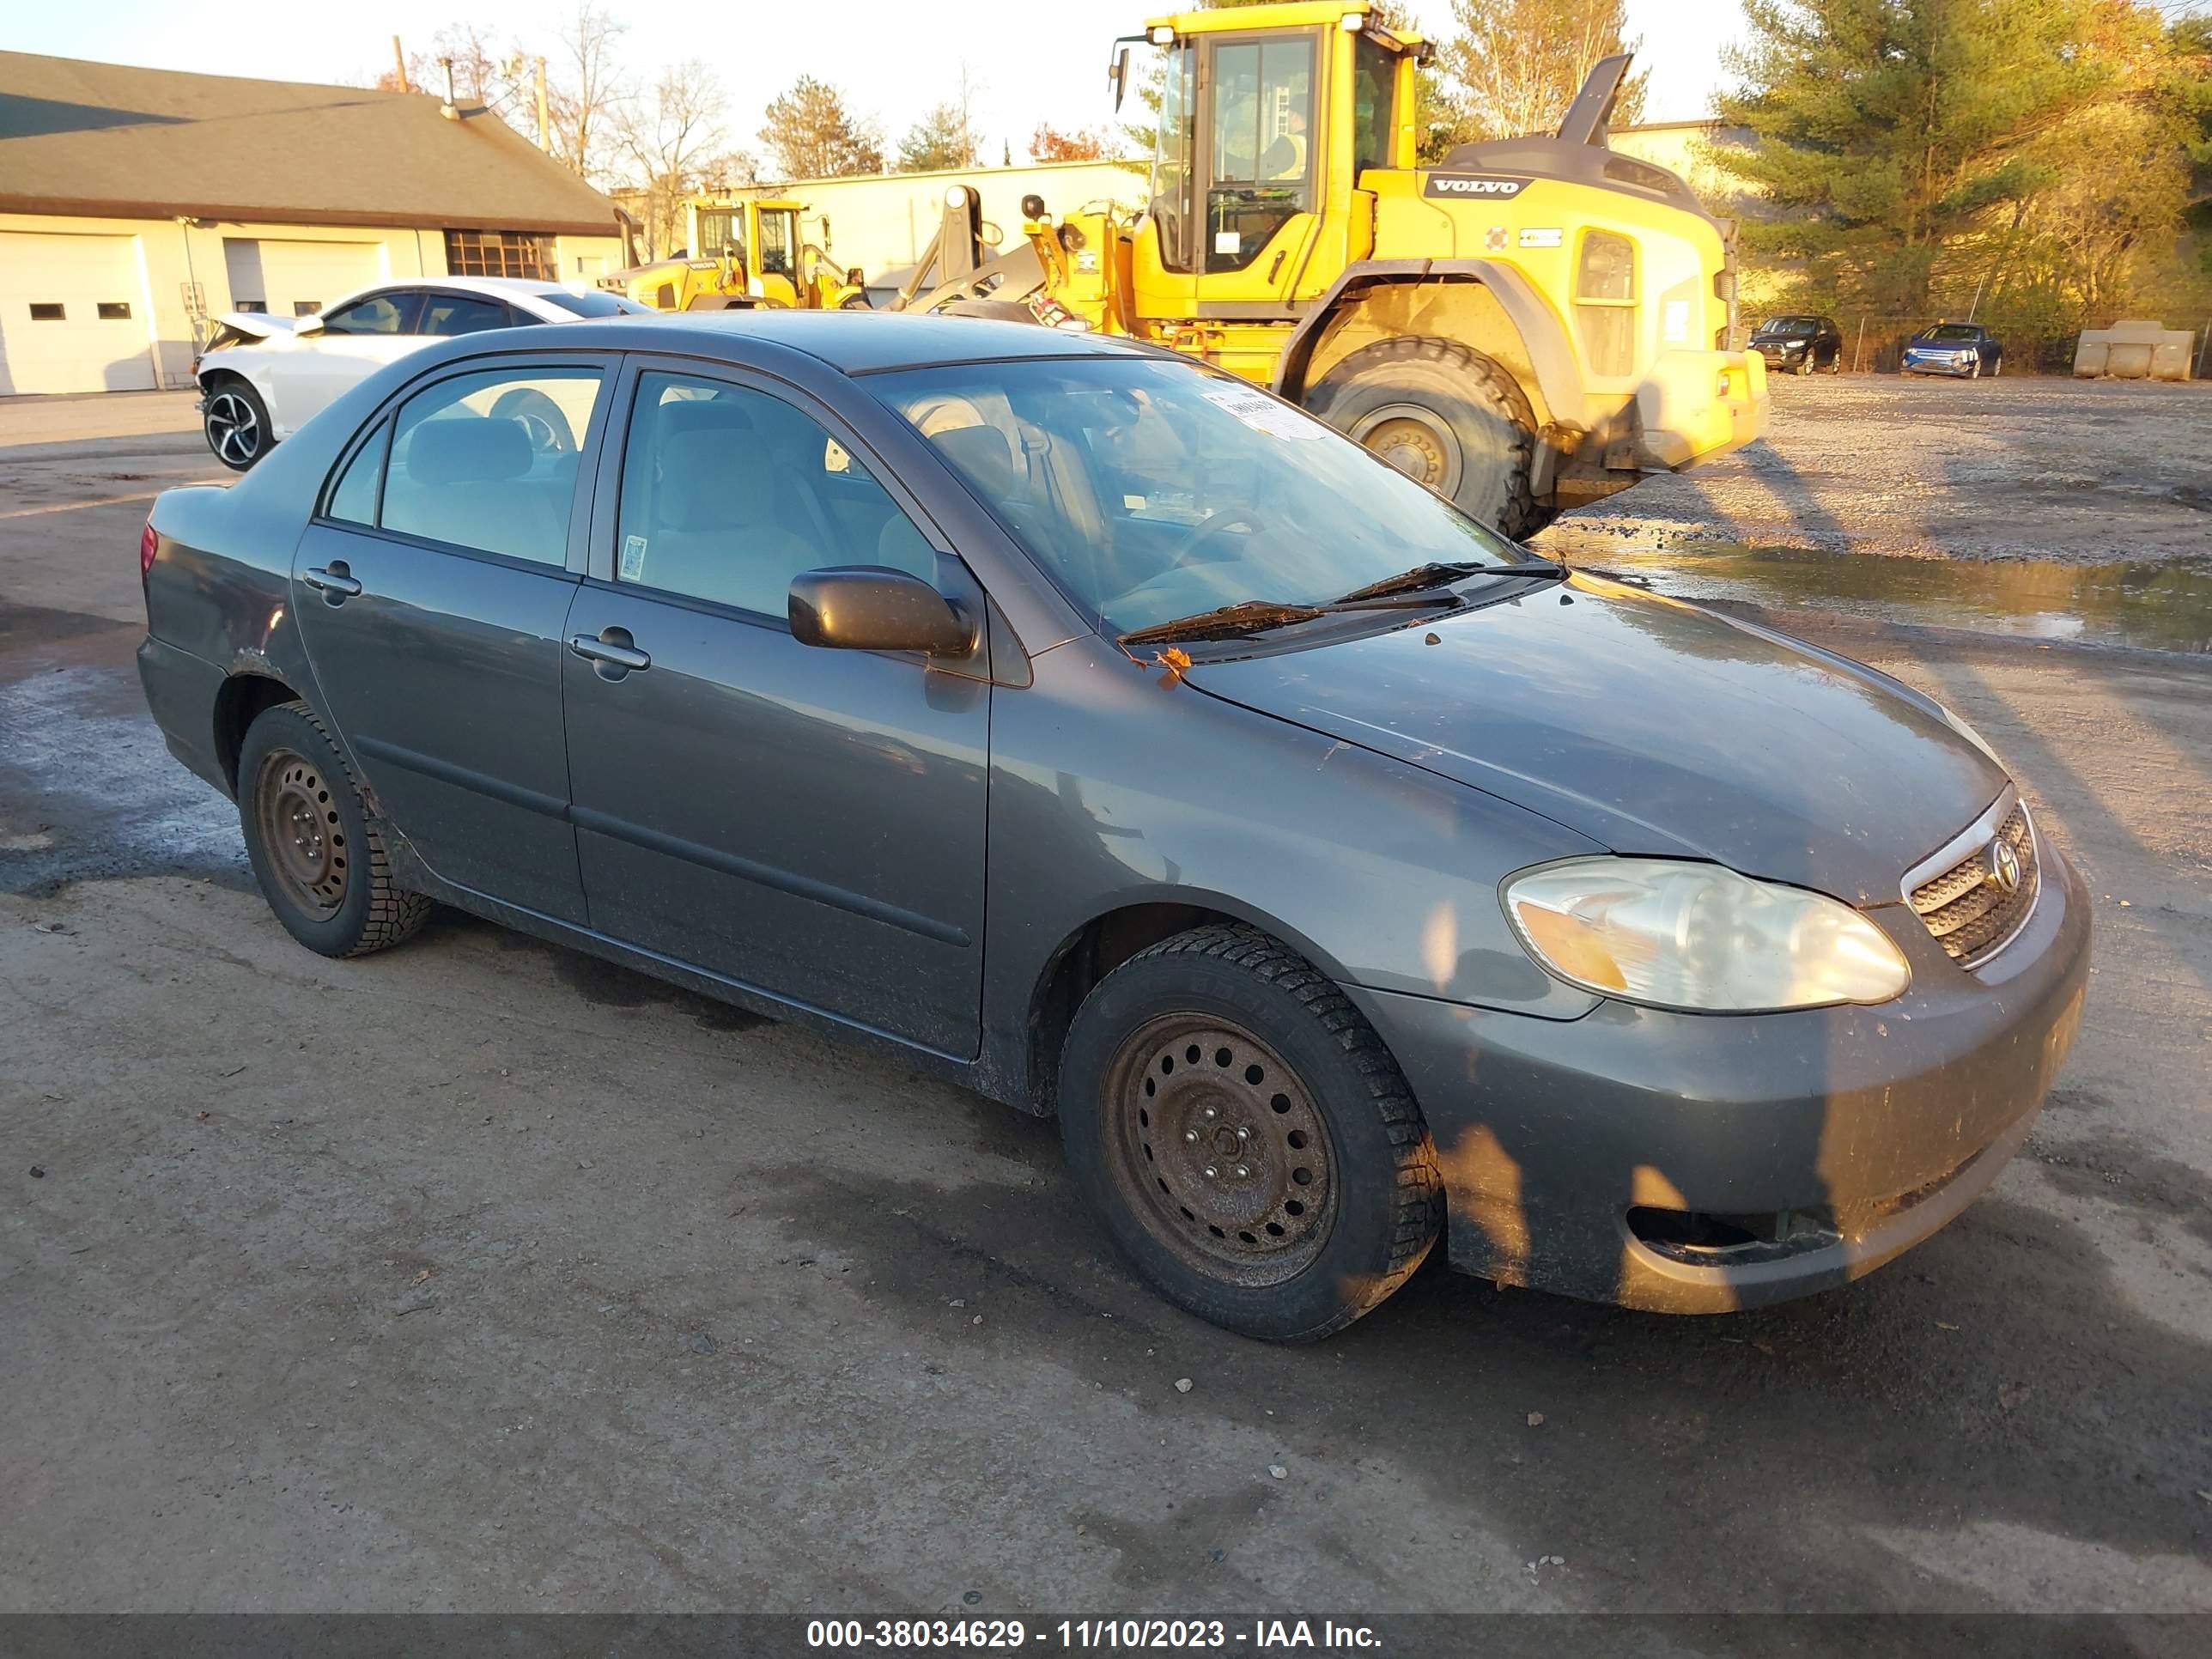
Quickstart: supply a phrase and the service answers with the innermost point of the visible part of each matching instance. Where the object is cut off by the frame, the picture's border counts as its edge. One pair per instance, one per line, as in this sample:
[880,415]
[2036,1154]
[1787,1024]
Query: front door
[432,591]
[345,348]
[808,821]
[1237,177]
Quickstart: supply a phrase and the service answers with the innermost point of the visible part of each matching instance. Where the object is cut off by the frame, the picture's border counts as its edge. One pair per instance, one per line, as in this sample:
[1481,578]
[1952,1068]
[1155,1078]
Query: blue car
[1965,351]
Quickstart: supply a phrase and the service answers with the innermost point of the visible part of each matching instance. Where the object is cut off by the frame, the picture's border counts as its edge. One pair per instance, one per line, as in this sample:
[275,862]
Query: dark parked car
[1965,350]
[1798,345]
[1083,725]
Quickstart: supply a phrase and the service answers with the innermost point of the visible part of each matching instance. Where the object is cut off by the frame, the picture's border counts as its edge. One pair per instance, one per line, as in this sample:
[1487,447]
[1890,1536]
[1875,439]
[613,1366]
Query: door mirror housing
[867,607]
[1117,75]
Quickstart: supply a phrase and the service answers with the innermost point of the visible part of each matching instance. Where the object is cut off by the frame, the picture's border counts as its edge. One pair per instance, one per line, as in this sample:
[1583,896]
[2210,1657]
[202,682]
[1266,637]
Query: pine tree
[1888,129]
[810,135]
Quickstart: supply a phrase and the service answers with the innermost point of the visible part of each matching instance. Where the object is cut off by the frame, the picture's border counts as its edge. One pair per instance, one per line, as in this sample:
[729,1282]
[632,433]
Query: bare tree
[589,89]
[1517,65]
[675,140]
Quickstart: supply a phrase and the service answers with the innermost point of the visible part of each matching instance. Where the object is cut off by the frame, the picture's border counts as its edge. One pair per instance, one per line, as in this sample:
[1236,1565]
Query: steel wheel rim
[1224,1157]
[234,430]
[1415,442]
[302,833]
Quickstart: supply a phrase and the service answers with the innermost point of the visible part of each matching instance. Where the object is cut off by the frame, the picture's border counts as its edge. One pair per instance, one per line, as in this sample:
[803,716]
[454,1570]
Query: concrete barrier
[2134,351]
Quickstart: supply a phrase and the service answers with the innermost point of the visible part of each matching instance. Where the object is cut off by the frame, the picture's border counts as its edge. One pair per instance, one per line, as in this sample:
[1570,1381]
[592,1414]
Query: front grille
[1968,911]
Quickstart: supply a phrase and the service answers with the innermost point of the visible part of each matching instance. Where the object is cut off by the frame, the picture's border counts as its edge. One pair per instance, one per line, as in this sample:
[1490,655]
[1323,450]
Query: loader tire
[1444,414]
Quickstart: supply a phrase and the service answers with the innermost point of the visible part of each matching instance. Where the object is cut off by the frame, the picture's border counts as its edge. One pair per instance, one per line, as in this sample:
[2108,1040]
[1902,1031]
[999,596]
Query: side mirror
[867,607]
[1119,74]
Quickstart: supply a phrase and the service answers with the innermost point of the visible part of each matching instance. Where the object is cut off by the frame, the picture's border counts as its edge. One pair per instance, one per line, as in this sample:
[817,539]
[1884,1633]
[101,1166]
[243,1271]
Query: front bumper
[1959,368]
[1601,1157]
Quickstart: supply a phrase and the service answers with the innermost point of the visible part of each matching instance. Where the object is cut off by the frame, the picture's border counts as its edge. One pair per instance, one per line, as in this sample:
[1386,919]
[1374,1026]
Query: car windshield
[1954,332]
[595,304]
[1787,328]
[1151,490]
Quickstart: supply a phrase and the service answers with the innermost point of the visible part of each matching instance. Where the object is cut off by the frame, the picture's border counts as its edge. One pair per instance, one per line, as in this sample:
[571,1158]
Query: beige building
[137,204]
[883,221]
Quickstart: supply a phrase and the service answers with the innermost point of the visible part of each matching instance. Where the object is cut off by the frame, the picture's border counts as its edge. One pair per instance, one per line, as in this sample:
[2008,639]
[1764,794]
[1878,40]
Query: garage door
[290,278]
[72,314]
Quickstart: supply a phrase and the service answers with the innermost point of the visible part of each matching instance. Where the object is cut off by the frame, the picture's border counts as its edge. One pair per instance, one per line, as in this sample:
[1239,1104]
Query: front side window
[1259,147]
[461,313]
[489,461]
[728,493]
[380,313]
[1152,491]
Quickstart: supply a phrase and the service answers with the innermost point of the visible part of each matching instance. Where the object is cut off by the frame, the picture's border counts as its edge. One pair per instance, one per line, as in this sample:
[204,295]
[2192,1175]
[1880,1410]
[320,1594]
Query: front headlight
[1699,937]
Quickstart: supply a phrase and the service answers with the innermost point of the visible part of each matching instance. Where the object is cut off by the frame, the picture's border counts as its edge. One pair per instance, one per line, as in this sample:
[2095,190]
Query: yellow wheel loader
[746,252]
[1534,323]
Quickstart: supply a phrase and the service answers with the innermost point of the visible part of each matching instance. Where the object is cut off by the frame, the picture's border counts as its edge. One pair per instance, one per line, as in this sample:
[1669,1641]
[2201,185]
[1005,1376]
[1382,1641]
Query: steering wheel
[1204,532]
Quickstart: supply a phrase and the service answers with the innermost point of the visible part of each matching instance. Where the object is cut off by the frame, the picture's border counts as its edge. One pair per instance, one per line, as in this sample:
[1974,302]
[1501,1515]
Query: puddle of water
[2161,607]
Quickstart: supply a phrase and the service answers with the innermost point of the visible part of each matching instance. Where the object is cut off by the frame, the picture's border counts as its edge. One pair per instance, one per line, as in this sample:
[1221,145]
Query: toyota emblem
[2003,873]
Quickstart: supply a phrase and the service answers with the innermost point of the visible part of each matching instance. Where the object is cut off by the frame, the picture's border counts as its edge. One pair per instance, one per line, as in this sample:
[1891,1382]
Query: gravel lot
[481,1275]
[2079,471]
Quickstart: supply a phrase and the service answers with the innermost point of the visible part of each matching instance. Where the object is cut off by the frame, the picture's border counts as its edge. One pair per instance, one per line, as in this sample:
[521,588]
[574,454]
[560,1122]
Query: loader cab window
[778,238]
[722,230]
[1605,302]
[1171,209]
[1374,104]
[1260,139]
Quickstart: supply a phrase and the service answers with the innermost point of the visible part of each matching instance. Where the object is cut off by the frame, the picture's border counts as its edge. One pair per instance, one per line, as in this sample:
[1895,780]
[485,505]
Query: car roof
[868,342]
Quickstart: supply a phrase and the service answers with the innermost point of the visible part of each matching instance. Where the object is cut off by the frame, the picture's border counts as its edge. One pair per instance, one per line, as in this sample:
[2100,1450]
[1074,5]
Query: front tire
[318,857]
[1450,416]
[235,423]
[1245,1137]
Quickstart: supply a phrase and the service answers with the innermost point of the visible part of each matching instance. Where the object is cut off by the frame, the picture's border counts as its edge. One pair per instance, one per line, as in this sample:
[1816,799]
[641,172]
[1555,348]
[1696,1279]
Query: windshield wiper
[1228,622]
[1422,578]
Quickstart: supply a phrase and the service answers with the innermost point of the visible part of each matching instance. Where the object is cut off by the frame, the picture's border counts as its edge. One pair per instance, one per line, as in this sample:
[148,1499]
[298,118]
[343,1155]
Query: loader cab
[1267,116]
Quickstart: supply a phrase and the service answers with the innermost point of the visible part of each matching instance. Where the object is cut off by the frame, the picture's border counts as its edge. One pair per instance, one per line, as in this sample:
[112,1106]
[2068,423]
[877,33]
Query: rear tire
[235,421]
[1444,414]
[318,858]
[1280,1185]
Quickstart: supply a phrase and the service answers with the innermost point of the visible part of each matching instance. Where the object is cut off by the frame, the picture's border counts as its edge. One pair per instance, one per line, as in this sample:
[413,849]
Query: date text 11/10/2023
[1257,1635]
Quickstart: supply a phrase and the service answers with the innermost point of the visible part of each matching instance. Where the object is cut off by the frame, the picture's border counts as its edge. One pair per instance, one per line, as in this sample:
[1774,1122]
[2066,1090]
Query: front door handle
[611,649]
[335,582]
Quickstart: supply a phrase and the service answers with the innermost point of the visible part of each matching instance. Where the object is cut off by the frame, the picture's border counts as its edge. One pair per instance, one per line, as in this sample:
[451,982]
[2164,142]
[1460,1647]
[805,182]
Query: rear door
[809,822]
[432,590]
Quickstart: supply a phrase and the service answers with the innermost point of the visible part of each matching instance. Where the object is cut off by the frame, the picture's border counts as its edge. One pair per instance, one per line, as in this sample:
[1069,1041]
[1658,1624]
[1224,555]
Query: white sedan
[262,377]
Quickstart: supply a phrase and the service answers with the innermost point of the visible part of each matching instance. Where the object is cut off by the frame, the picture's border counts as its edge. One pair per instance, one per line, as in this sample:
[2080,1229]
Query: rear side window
[728,494]
[354,500]
[489,461]
[1605,302]
[460,314]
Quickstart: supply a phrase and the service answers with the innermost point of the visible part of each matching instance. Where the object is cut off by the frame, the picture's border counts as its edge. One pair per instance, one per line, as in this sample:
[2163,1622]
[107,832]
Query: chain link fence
[1875,344]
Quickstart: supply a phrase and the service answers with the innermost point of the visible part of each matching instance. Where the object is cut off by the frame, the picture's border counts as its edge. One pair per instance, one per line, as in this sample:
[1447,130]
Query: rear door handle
[612,653]
[335,581]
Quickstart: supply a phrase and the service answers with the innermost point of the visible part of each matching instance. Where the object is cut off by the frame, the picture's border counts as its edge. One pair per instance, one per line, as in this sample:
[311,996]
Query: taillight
[148,544]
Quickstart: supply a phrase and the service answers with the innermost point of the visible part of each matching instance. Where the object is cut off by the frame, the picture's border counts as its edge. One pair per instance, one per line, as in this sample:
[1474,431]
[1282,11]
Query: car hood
[1651,727]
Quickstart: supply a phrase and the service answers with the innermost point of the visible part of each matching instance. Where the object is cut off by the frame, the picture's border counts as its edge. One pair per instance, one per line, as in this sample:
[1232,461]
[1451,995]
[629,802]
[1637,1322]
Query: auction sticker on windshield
[1263,414]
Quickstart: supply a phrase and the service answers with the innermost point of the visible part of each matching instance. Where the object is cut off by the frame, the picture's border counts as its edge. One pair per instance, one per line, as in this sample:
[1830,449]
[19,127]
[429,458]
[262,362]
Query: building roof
[108,140]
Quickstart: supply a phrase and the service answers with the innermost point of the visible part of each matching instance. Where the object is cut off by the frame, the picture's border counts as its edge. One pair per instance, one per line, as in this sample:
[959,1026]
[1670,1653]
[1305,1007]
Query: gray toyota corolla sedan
[1088,727]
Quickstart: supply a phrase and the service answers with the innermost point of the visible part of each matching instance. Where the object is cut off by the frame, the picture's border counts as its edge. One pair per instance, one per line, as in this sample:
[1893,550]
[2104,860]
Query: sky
[892,61]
